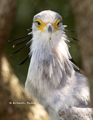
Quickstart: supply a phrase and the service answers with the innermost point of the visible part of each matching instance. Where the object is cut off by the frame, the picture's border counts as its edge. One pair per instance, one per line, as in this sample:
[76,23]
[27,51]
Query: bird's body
[51,77]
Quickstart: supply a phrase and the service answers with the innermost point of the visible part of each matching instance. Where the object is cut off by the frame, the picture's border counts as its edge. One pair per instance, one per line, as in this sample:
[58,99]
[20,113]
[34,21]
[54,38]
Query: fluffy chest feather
[49,67]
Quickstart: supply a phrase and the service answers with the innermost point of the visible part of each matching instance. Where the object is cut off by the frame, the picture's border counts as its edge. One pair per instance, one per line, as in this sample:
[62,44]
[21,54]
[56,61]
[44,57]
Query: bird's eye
[58,24]
[38,23]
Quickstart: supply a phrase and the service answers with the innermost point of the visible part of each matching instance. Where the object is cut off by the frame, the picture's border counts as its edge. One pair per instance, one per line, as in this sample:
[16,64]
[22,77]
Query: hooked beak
[50,29]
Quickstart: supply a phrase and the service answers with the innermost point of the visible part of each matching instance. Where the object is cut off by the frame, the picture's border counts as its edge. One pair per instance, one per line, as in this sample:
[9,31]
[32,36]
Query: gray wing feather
[82,109]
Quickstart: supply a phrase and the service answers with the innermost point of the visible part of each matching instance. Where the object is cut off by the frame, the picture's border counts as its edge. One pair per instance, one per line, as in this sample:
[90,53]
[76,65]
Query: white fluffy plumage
[51,77]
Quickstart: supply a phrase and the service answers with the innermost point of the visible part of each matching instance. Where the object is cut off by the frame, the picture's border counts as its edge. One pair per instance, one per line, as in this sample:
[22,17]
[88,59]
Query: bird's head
[48,35]
[47,26]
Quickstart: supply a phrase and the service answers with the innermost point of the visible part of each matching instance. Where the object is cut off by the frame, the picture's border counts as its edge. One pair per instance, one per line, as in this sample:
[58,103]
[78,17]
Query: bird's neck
[51,64]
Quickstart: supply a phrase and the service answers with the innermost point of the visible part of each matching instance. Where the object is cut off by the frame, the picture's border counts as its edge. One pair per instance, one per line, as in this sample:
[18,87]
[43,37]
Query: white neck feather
[50,61]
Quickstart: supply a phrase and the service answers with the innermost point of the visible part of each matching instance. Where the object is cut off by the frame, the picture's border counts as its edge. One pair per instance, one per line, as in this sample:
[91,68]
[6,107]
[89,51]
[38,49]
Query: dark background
[26,9]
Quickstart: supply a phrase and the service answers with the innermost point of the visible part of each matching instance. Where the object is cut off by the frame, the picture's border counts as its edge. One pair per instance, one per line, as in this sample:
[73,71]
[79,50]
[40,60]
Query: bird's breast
[47,70]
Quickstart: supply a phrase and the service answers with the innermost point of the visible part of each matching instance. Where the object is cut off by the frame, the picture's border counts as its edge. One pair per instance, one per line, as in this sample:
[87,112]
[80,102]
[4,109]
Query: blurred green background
[26,9]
